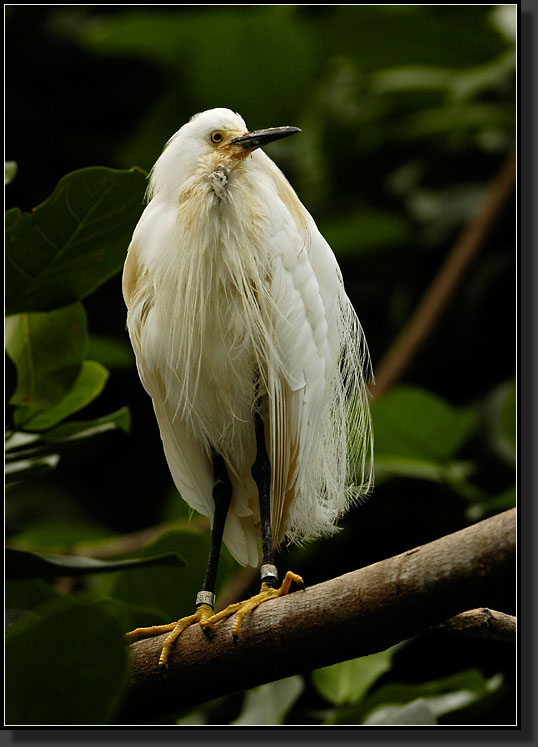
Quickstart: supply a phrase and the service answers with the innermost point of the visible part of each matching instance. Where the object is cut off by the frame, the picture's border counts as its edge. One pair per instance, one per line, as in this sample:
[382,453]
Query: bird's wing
[305,289]
[192,472]
[188,460]
[190,467]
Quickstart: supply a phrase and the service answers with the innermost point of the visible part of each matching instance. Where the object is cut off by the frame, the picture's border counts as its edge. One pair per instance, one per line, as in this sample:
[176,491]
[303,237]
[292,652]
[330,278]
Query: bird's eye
[216,137]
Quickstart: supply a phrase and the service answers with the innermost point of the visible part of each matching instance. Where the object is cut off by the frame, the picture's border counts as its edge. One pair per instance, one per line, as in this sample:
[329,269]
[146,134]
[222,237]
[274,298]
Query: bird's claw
[174,630]
[242,609]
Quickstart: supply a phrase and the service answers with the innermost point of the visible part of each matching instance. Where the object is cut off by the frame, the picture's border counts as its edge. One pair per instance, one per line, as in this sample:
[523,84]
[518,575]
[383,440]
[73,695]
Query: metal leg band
[205,597]
[268,571]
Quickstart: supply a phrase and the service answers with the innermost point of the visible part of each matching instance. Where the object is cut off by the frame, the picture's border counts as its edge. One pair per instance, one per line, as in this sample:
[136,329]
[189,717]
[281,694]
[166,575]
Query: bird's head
[211,142]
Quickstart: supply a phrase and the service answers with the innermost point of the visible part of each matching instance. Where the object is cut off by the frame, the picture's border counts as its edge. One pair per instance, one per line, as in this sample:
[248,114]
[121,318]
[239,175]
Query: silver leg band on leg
[205,597]
[268,571]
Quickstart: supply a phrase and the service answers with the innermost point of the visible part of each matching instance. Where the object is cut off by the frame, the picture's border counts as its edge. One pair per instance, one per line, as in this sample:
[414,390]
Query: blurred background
[407,115]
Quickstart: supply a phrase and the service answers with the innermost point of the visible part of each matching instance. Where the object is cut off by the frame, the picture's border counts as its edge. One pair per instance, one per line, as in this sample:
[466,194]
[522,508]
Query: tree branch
[437,296]
[480,623]
[357,614]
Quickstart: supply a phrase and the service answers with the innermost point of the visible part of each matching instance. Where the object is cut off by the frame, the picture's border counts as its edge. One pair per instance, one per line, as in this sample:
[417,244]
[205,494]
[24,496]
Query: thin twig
[354,615]
[437,296]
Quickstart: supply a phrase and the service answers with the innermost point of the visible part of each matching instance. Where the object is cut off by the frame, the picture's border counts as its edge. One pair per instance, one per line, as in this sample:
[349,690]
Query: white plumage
[234,297]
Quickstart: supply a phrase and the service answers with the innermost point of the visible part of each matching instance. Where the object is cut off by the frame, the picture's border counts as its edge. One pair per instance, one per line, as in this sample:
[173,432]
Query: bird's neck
[221,214]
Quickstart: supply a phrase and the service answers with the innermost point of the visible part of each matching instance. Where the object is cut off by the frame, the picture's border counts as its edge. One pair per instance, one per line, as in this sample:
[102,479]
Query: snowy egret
[251,351]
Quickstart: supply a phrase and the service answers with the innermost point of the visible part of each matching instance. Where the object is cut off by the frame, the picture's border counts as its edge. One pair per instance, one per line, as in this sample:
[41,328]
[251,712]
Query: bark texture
[353,615]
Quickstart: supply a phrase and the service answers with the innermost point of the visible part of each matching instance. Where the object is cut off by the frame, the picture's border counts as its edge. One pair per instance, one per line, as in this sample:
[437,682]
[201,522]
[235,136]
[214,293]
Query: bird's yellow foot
[241,609]
[175,629]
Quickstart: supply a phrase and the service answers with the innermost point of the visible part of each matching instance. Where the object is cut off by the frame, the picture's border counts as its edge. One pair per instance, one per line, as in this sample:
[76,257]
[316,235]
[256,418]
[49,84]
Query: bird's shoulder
[131,274]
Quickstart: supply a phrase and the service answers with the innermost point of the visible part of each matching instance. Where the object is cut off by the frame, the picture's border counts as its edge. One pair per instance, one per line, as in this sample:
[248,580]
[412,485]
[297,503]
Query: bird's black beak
[258,138]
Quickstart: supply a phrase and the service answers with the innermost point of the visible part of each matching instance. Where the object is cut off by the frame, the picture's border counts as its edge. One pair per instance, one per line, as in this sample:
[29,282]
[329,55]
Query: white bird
[250,349]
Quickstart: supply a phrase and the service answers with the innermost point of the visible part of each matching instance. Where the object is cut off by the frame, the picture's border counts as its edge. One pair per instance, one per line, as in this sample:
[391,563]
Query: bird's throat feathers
[233,197]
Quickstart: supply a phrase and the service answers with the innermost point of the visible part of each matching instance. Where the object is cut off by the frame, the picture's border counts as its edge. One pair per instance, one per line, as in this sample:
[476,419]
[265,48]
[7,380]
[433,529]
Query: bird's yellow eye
[216,137]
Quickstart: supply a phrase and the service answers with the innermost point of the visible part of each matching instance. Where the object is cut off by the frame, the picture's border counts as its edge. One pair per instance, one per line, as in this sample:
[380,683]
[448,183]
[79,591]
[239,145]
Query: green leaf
[499,415]
[77,430]
[491,75]
[170,591]
[504,18]
[268,704]
[410,78]
[416,713]
[31,454]
[420,469]
[457,84]
[10,171]
[277,44]
[508,416]
[348,681]
[72,242]
[22,446]
[426,710]
[413,423]
[47,349]
[451,472]
[193,718]
[59,535]
[27,468]
[457,119]
[386,36]
[17,441]
[28,594]
[492,505]
[21,564]
[440,696]
[86,387]
[111,352]
[443,210]
[67,666]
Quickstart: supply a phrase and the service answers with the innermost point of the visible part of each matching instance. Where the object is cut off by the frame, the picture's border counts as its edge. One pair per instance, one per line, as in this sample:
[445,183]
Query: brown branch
[480,623]
[357,614]
[437,296]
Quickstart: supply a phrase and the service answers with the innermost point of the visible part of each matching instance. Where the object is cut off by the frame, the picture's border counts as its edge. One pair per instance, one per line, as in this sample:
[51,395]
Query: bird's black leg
[222,495]
[261,472]
[205,600]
